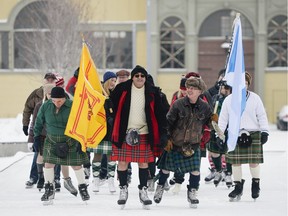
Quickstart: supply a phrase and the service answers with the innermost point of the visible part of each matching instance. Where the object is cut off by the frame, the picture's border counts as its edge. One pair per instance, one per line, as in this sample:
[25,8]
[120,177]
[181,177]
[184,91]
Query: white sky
[16,200]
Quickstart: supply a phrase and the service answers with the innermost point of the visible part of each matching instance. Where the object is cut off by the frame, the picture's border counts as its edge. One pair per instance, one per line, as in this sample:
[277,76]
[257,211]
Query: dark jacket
[183,115]
[155,114]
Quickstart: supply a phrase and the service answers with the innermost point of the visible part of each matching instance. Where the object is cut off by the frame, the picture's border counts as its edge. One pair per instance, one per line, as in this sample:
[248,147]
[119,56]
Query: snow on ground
[16,200]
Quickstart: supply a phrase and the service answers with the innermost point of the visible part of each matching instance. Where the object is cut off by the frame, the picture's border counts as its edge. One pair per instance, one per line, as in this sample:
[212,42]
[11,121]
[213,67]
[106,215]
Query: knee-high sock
[237,172]
[255,171]
[80,176]
[143,177]
[217,163]
[111,167]
[194,181]
[163,177]
[48,175]
[122,176]
[96,167]
[40,170]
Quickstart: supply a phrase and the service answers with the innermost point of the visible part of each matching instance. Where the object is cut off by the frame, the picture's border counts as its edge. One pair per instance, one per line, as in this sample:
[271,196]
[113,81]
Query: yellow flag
[87,119]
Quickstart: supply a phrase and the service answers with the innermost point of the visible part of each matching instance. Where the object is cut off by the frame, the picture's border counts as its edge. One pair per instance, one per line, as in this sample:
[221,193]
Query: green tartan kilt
[247,155]
[104,147]
[174,161]
[73,158]
[212,146]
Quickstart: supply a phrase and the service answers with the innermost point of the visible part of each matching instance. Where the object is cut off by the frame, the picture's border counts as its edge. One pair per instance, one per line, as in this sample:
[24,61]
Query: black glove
[79,148]
[264,137]
[37,143]
[220,144]
[25,130]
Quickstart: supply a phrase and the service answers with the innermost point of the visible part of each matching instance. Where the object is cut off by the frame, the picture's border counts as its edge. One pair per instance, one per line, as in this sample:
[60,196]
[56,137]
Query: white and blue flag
[235,77]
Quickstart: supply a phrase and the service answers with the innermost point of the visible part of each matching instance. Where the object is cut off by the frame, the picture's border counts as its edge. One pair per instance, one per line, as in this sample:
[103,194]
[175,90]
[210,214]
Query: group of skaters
[143,128]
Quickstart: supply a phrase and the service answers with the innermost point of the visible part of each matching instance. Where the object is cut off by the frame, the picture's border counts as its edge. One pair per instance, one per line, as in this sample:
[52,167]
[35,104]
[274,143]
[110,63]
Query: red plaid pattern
[141,153]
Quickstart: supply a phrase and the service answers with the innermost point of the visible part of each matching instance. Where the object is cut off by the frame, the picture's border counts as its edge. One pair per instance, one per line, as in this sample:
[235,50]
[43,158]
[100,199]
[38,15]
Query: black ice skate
[144,199]
[83,192]
[57,185]
[158,194]
[255,189]
[30,183]
[236,194]
[123,196]
[192,197]
[69,186]
[210,176]
[40,183]
[218,178]
[49,194]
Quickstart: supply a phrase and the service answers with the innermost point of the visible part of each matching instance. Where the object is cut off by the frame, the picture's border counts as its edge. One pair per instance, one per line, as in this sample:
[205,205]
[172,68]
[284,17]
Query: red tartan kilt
[141,153]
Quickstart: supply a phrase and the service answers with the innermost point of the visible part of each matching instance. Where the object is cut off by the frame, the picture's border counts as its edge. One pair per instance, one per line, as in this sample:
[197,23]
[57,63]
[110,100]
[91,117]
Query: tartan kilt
[174,161]
[141,153]
[212,146]
[73,158]
[247,155]
[104,147]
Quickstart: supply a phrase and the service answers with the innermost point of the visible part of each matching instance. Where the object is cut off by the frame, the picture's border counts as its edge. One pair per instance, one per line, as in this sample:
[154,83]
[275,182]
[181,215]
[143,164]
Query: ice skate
[192,197]
[144,199]
[97,182]
[83,192]
[228,180]
[158,193]
[236,194]
[218,178]
[210,176]
[48,195]
[111,186]
[123,196]
[57,185]
[87,173]
[177,188]
[151,185]
[30,183]
[69,186]
[40,183]
[166,186]
[172,181]
[255,189]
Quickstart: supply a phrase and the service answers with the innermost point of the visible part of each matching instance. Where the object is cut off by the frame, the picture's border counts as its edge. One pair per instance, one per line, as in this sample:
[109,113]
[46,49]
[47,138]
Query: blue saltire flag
[235,77]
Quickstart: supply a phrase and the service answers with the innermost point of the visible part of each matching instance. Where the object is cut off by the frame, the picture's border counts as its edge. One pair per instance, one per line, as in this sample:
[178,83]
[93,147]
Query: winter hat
[196,82]
[47,88]
[108,75]
[192,74]
[59,81]
[248,78]
[123,73]
[150,79]
[182,84]
[50,76]
[76,73]
[58,92]
[139,69]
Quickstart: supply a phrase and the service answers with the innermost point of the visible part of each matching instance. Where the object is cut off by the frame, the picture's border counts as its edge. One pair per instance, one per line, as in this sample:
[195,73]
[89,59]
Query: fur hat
[139,69]
[192,74]
[182,84]
[196,82]
[108,75]
[248,78]
[123,73]
[58,92]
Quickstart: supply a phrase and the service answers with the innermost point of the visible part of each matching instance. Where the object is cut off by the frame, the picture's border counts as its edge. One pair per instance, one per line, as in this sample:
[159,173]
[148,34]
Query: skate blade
[193,205]
[146,207]
[48,202]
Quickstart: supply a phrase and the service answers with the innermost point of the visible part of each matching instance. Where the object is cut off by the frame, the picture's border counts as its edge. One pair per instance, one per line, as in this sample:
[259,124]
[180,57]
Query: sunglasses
[139,75]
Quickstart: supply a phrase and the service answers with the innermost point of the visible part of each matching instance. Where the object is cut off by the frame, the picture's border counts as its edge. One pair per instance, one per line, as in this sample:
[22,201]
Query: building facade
[169,38]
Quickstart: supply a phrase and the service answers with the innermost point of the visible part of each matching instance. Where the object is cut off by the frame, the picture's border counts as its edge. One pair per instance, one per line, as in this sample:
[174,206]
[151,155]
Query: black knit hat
[58,92]
[139,69]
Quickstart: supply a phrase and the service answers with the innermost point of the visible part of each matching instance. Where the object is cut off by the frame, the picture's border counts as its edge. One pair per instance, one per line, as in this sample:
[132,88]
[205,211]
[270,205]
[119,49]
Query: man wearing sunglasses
[137,106]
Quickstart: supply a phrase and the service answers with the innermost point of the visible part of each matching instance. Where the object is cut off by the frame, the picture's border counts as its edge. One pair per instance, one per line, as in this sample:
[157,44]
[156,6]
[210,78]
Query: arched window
[277,41]
[172,43]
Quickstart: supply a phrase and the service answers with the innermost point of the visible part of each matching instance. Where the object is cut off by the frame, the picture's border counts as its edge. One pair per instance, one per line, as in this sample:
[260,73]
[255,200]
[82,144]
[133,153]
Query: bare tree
[48,35]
